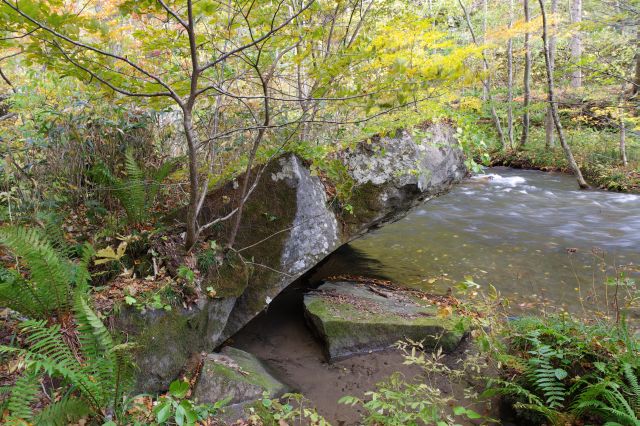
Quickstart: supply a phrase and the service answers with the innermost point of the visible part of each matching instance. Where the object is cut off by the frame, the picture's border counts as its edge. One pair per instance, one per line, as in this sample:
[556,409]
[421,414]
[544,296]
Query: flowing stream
[533,235]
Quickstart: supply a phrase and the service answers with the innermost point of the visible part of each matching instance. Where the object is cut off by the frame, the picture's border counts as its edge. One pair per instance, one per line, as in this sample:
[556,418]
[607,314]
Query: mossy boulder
[165,340]
[354,317]
[236,375]
[288,226]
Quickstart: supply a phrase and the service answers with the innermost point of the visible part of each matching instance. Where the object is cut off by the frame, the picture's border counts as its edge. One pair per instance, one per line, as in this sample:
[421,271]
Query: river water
[533,235]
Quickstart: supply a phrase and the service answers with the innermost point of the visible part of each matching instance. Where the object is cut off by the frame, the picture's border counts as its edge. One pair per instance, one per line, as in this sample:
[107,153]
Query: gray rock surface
[352,318]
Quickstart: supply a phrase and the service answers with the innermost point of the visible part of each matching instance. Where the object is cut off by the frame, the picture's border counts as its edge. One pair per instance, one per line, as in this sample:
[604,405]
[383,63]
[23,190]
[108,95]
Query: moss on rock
[353,318]
[237,375]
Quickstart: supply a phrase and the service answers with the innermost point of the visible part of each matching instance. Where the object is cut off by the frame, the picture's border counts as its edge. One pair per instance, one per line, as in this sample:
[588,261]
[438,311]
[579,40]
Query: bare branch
[106,82]
[174,14]
[127,61]
[255,41]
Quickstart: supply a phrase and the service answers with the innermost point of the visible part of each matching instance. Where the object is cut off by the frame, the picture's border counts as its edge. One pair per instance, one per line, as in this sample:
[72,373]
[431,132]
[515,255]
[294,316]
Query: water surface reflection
[533,235]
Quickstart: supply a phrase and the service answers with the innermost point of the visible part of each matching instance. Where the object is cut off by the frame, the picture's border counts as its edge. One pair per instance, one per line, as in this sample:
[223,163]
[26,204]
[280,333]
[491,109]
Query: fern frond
[159,175]
[109,364]
[49,283]
[95,339]
[512,388]
[605,399]
[47,352]
[135,200]
[19,295]
[66,411]
[632,387]
[551,414]
[131,168]
[81,270]
[137,192]
[542,374]
[53,233]
[23,393]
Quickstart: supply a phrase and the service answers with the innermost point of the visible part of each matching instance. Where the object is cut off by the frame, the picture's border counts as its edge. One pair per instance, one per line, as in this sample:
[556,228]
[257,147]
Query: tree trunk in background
[636,82]
[485,67]
[527,77]
[623,129]
[554,108]
[575,44]
[510,80]
[549,130]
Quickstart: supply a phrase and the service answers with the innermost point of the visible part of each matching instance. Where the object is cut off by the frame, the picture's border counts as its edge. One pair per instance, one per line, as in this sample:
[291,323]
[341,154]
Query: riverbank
[610,178]
[599,160]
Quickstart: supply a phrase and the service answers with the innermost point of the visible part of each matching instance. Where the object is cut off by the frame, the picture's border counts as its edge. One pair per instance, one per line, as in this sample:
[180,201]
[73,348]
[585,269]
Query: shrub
[137,191]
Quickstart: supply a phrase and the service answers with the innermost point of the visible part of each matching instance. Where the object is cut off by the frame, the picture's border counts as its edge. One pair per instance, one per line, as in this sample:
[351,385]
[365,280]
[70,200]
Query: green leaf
[601,366]
[180,415]
[458,411]
[560,373]
[179,388]
[473,415]
[189,412]
[163,412]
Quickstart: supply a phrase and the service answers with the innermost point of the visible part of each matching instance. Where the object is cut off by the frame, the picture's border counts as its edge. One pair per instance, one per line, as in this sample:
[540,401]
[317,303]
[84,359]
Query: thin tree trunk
[636,82]
[486,82]
[623,130]
[575,44]
[510,80]
[554,108]
[548,119]
[252,155]
[192,210]
[527,77]
[485,65]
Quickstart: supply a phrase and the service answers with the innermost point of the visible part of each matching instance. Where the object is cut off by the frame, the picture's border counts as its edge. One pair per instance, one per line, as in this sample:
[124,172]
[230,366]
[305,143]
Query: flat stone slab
[235,374]
[360,317]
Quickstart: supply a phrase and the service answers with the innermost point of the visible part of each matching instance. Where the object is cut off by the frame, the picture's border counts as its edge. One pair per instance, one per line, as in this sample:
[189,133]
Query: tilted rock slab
[353,318]
[288,226]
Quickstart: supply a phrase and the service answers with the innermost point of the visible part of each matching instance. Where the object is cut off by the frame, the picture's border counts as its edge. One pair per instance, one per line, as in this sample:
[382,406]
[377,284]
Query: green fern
[136,192]
[23,394]
[607,400]
[99,372]
[547,378]
[48,287]
[68,410]
[97,377]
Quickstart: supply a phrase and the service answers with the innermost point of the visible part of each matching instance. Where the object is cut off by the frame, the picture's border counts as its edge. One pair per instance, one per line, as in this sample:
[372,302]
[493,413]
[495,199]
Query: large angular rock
[289,224]
[236,375]
[352,318]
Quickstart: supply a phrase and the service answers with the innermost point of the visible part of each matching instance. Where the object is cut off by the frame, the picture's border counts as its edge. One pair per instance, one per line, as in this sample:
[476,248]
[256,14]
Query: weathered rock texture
[352,318]
[288,226]
[236,375]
